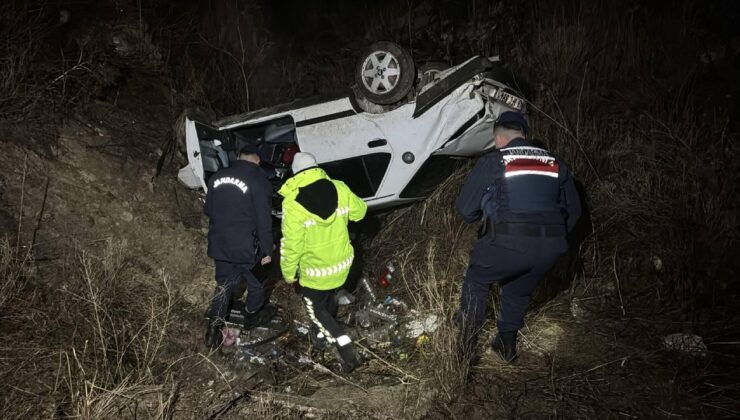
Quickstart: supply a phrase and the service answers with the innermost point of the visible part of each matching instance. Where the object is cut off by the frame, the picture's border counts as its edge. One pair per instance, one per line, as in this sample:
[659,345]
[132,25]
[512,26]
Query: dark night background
[103,258]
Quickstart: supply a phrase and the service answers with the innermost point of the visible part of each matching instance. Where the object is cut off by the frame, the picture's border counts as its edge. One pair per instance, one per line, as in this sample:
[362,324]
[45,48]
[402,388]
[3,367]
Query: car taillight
[289,153]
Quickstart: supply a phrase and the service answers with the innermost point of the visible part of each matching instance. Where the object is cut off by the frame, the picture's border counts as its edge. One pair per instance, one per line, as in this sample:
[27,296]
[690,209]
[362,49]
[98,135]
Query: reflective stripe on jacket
[520,183]
[317,248]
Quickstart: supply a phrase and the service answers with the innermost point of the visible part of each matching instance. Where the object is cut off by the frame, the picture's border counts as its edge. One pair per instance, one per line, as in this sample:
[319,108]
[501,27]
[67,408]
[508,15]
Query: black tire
[427,73]
[372,78]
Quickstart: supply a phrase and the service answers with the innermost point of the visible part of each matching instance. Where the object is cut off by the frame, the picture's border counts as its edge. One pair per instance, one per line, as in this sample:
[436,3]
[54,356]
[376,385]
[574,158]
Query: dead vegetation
[51,68]
[86,336]
[662,221]
[18,50]
[653,162]
[85,342]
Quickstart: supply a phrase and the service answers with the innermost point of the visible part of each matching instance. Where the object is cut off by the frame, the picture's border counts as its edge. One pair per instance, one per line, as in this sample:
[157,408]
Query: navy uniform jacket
[520,183]
[238,205]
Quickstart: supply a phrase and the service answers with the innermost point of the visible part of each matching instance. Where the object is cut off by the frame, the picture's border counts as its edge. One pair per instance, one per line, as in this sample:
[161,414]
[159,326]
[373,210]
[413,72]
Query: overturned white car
[388,155]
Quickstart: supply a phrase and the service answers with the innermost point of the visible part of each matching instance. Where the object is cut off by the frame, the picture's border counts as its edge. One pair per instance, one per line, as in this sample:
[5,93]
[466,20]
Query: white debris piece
[419,326]
[257,360]
[576,309]
[657,263]
[686,343]
[343,297]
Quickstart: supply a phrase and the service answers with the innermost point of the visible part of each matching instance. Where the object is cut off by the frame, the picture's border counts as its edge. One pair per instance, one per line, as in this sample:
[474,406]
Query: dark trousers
[517,264]
[228,279]
[322,309]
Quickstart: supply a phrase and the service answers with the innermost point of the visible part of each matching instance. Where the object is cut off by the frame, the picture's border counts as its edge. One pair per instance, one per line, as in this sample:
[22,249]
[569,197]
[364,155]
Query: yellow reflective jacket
[317,248]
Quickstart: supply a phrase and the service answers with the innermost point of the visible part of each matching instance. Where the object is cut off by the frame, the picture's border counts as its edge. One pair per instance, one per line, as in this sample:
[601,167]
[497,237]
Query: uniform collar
[517,142]
[244,163]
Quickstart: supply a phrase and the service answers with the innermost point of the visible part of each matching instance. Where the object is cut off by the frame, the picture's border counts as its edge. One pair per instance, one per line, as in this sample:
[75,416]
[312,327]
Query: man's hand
[266,260]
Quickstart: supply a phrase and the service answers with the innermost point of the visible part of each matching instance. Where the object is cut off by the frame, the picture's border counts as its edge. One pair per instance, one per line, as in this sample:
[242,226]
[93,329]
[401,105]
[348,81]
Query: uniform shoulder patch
[527,160]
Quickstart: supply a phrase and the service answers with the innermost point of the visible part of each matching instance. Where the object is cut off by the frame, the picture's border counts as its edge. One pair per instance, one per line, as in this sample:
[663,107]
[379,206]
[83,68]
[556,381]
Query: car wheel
[385,73]
[428,73]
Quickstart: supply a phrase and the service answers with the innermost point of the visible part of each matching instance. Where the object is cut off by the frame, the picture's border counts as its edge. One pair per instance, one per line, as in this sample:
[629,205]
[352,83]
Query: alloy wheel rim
[381,72]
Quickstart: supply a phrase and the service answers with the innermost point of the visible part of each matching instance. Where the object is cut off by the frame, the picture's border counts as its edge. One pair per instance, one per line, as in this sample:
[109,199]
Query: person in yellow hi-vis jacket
[315,247]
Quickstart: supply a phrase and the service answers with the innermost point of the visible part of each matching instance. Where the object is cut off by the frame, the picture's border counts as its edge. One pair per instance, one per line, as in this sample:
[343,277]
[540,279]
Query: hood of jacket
[311,192]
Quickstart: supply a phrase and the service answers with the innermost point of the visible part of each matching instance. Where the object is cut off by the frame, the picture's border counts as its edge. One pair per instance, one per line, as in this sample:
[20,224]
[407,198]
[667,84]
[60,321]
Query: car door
[206,150]
[351,149]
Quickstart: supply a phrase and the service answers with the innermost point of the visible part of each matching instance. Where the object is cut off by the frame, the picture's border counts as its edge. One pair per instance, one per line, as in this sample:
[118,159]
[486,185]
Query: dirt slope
[96,185]
[102,185]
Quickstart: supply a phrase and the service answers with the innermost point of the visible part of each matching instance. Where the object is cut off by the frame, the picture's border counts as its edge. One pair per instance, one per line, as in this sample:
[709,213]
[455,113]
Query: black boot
[214,337]
[261,317]
[350,361]
[505,345]
[318,339]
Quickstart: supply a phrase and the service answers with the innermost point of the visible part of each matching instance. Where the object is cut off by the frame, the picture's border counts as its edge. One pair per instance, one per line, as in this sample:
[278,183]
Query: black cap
[514,120]
[249,149]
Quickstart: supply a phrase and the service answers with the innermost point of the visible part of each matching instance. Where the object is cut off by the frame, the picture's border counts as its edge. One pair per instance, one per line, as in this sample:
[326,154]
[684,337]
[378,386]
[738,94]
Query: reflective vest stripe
[328,271]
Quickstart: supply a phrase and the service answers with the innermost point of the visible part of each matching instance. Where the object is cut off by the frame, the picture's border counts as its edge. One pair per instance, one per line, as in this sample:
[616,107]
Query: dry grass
[21,36]
[651,160]
[87,341]
[14,270]
[609,109]
[216,69]
[430,244]
[439,359]
[48,71]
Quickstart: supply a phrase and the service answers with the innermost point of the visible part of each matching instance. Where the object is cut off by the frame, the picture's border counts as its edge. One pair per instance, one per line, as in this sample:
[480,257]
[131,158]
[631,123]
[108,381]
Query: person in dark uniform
[527,201]
[239,237]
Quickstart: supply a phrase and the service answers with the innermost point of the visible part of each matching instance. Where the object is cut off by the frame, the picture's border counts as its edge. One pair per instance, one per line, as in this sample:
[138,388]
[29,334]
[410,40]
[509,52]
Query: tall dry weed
[653,162]
[14,270]
[21,36]
[87,343]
